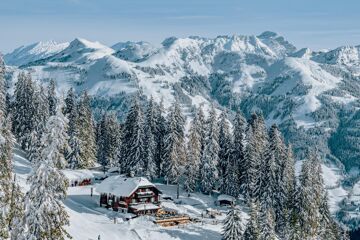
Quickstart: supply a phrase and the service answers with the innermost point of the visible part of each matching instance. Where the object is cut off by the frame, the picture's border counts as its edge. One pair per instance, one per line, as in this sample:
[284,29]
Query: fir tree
[41,115]
[70,102]
[267,226]
[210,157]
[232,229]
[2,88]
[193,156]
[45,216]
[202,131]
[310,196]
[132,147]
[86,133]
[74,153]
[252,231]
[257,142]
[51,98]
[175,157]
[24,110]
[149,141]
[273,183]
[6,140]
[251,165]
[237,156]
[112,139]
[101,139]
[225,144]
[161,129]
[16,212]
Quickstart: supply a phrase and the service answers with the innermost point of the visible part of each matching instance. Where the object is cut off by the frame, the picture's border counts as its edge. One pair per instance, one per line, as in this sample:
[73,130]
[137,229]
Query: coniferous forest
[218,151]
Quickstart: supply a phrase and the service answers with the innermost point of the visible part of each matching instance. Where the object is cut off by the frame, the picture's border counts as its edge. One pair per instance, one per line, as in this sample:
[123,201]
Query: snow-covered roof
[145,206]
[78,175]
[224,197]
[122,186]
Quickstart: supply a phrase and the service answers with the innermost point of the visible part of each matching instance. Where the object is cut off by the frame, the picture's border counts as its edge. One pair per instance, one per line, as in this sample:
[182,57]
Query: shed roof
[224,197]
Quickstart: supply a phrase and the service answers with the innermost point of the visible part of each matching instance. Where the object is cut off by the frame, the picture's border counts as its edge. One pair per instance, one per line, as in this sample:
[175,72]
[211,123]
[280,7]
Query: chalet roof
[122,186]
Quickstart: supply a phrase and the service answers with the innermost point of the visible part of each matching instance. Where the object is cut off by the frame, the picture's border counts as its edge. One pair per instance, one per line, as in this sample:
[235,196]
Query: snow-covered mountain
[134,51]
[298,89]
[34,52]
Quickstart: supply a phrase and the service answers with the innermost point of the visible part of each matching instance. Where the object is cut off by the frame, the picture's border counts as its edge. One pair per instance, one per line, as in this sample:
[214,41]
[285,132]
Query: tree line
[238,157]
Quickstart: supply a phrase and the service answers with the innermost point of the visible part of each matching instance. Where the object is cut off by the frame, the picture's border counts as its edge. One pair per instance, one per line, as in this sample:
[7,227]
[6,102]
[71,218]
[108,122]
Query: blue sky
[313,23]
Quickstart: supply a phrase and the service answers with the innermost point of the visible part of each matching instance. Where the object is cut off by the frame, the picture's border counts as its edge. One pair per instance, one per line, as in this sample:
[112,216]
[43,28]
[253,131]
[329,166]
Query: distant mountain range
[313,96]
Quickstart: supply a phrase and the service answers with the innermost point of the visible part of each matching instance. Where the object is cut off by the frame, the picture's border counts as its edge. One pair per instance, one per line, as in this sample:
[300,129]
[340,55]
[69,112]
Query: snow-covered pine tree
[210,157]
[328,228]
[237,156]
[252,231]
[132,145]
[112,140]
[267,190]
[8,104]
[73,156]
[310,190]
[290,179]
[16,212]
[231,184]
[193,154]
[41,115]
[150,129]
[161,129]
[295,232]
[174,154]
[291,209]
[100,140]
[45,216]
[267,225]
[70,102]
[273,181]
[51,97]
[149,154]
[2,88]
[254,154]
[251,165]
[6,143]
[86,132]
[70,110]
[202,131]
[24,109]
[225,144]
[233,229]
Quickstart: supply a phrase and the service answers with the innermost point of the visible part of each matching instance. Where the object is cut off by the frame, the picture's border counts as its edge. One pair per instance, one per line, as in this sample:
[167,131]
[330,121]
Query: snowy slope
[134,51]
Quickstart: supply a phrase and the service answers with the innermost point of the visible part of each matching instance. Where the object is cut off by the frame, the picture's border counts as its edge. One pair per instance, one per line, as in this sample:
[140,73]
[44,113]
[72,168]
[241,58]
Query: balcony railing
[145,194]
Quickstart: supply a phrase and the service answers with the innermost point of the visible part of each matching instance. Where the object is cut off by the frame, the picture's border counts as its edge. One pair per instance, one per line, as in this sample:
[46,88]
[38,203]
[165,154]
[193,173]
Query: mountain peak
[83,43]
[34,52]
[268,34]
[169,41]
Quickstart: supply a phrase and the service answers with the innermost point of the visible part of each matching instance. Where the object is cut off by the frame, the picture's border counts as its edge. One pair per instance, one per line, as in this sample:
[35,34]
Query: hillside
[313,96]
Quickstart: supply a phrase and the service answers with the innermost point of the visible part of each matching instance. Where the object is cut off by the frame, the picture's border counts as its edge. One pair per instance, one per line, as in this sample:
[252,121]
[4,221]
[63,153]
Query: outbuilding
[225,200]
